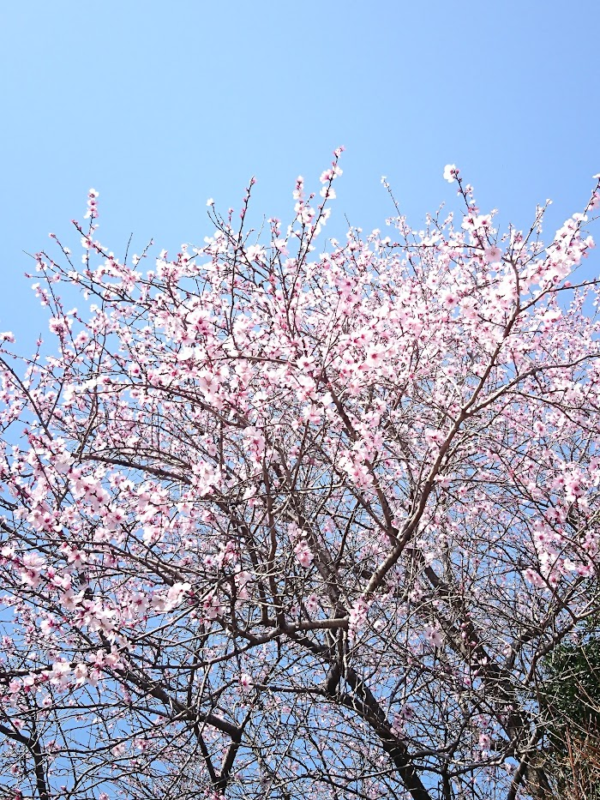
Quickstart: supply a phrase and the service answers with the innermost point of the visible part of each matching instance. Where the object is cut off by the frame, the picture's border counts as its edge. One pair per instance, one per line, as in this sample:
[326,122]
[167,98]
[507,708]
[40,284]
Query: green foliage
[572,692]
[571,703]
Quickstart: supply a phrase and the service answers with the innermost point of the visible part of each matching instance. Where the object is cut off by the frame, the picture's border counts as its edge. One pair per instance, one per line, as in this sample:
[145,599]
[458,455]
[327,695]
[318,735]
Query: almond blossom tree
[286,517]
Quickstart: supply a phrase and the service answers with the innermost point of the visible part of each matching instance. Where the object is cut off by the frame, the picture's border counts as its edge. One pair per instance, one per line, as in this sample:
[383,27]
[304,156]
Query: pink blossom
[450,299]
[434,636]
[312,603]
[212,607]
[80,673]
[60,675]
[246,682]
[450,172]
[303,554]
[492,254]
[59,325]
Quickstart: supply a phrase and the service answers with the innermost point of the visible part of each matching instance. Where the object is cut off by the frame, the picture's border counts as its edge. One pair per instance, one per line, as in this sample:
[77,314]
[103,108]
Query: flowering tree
[290,518]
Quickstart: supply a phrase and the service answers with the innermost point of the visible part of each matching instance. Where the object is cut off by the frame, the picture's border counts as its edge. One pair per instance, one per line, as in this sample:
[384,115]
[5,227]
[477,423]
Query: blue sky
[160,106]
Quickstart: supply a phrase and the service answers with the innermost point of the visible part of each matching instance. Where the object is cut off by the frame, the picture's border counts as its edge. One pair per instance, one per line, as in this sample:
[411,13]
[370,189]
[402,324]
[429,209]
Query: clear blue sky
[162,105]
